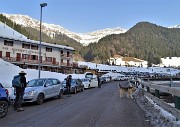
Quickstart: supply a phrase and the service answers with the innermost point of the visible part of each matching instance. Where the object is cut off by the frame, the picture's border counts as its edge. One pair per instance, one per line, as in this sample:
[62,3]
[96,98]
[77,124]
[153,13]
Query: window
[7,54]
[68,63]
[34,57]
[8,43]
[35,47]
[48,49]
[26,46]
[24,56]
[49,82]
[55,81]
[88,75]
[61,60]
[49,59]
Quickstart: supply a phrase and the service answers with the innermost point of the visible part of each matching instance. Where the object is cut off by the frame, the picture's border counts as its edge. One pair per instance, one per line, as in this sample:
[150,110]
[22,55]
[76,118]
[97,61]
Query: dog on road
[126,88]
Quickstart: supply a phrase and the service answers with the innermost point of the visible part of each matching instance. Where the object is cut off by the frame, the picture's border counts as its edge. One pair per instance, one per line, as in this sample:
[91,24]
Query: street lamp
[40,59]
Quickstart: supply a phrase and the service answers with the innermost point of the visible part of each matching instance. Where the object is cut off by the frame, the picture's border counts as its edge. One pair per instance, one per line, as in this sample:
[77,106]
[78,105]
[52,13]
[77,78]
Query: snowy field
[157,116]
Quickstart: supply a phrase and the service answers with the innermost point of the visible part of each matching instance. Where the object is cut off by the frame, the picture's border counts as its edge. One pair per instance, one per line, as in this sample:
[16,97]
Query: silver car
[39,89]
[86,82]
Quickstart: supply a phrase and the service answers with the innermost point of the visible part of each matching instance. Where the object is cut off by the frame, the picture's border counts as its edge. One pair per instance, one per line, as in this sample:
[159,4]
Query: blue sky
[89,15]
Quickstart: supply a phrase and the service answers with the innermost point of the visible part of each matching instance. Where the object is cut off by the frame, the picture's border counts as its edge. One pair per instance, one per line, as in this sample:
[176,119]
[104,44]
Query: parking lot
[95,107]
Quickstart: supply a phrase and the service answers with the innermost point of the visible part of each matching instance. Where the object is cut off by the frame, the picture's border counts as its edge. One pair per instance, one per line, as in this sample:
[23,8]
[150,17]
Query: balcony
[63,64]
[69,65]
[69,56]
[66,56]
[50,63]
[9,59]
[28,61]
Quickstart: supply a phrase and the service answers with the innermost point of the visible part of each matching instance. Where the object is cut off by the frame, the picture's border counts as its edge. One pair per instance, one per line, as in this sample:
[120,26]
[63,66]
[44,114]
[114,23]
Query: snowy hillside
[90,37]
[51,29]
[176,26]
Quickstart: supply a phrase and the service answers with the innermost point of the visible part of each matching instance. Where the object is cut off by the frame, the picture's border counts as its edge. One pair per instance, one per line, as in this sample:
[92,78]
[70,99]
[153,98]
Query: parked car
[106,77]
[3,101]
[103,80]
[120,78]
[86,83]
[94,82]
[10,91]
[39,89]
[76,85]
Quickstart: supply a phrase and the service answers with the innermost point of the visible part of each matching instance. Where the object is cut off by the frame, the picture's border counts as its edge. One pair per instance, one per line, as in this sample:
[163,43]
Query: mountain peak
[52,29]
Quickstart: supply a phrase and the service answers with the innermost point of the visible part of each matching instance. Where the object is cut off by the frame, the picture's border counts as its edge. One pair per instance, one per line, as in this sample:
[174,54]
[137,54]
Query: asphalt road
[96,107]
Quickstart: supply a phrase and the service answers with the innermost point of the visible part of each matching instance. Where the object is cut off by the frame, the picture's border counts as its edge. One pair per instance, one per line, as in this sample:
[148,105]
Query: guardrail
[174,91]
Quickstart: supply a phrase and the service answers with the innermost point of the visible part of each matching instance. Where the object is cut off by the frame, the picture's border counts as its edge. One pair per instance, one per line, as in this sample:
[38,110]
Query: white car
[86,83]
[120,78]
[94,82]
[39,89]
[107,78]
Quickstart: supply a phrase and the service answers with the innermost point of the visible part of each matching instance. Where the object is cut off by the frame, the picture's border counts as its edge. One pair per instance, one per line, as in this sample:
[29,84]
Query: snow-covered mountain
[51,29]
[176,26]
[90,37]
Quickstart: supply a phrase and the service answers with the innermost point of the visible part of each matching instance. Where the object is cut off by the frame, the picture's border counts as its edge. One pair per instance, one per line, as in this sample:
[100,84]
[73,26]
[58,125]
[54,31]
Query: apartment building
[21,51]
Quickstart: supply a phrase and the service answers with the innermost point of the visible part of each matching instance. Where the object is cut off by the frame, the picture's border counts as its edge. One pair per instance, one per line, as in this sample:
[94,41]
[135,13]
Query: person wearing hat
[68,84]
[19,89]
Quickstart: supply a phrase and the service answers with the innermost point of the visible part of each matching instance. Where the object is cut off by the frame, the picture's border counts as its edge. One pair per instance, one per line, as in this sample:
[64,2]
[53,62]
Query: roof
[127,59]
[9,33]
[117,56]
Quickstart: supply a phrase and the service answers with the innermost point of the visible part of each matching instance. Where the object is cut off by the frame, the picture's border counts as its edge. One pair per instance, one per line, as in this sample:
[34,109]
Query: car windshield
[36,82]
[89,75]
[73,81]
[85,80]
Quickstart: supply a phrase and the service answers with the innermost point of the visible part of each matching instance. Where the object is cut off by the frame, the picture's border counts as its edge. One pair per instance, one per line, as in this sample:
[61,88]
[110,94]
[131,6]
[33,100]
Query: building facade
[19,50]
[127,61]
[170,62]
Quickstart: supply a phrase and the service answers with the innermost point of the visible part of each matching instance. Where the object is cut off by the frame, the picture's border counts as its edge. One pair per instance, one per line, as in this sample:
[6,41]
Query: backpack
[16,81]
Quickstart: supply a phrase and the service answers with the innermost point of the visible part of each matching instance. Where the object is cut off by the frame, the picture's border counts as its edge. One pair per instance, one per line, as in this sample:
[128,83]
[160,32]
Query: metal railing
[174,91]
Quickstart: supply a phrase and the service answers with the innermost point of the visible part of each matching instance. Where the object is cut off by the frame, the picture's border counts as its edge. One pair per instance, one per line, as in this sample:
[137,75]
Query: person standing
[19,86]
[68,85]
[99,81]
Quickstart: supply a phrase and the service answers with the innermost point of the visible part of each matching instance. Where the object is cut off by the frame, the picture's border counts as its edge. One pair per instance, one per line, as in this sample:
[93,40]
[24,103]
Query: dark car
[103,80]
[76,85]
[3,101]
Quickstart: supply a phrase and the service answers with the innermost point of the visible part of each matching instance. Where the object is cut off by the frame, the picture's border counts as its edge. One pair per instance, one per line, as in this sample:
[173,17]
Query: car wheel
[82,89]
[60,94]
[40,99]
[3,109]
[75,90]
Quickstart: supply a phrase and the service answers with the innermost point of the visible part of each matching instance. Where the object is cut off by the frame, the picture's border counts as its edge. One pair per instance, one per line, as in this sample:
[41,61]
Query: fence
[174,91]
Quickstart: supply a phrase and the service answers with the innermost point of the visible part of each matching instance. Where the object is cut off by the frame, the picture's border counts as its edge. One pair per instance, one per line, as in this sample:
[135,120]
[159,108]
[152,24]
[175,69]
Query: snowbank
[157,115]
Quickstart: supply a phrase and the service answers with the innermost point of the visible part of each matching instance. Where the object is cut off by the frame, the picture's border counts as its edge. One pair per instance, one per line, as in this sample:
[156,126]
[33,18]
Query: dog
[127,89]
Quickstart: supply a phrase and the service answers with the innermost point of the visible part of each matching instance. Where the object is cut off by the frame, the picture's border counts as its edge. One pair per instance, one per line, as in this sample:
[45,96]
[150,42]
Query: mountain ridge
[52,29]
[144,40]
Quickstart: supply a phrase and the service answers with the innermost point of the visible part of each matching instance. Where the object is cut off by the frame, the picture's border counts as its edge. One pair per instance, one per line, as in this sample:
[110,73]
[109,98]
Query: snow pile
[157,115]
[8,71]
